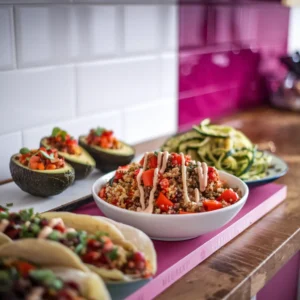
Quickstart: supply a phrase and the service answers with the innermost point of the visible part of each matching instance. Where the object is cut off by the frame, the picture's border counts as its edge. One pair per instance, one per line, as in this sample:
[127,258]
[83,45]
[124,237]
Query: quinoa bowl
[180,199]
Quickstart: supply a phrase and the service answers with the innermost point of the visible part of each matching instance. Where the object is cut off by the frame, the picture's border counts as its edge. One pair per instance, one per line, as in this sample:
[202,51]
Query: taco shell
[62,261]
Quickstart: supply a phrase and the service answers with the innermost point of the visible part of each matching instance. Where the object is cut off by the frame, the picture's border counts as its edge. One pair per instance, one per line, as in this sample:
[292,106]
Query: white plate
[173,227]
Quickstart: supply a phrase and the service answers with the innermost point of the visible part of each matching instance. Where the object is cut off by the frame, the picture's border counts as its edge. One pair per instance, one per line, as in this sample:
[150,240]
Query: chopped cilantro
[26,215]
[55,131]
[24,150]
[113,254]
[99,131]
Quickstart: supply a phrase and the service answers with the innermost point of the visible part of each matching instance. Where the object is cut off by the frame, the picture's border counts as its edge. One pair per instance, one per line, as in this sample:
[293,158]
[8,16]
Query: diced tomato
[60,228]
[181,212]
[153,162]
[51,167]
[212,174]
[90,257]
[102,192]
[114,202]
[139,257]
[163,202]
[210,205]
[229,196]
[148,177]
[142,161]
[164,183]
[41,166]
[176,159]
[24,267]
[94,244]
[120,172]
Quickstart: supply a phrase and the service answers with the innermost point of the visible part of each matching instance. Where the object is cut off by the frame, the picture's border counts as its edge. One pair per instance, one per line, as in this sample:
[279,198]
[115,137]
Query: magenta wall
[227,55]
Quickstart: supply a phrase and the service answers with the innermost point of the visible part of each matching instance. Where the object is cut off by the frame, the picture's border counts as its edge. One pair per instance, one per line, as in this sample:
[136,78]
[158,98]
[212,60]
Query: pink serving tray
[177,258]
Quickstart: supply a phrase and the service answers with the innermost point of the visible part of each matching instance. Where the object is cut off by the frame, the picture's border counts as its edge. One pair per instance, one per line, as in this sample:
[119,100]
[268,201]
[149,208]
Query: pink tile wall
[227,53]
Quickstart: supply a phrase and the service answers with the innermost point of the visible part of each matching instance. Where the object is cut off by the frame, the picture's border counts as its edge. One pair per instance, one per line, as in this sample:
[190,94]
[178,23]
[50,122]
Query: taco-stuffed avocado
[75,155]
[106,149]
[41,172]
[96,242]
[39,269]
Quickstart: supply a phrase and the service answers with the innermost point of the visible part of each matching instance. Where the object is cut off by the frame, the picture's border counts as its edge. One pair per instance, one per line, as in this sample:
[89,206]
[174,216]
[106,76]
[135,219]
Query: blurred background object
[141,68]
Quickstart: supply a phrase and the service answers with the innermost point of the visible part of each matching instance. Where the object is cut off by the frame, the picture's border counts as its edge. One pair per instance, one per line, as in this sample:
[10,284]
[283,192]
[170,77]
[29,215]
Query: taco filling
[62,141]
[41,159]
[103,138]
[96,249]
[21,279]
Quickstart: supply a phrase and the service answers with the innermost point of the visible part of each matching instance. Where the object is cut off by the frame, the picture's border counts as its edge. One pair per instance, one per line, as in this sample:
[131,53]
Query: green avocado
[41,183]
[108,159]
[83,164]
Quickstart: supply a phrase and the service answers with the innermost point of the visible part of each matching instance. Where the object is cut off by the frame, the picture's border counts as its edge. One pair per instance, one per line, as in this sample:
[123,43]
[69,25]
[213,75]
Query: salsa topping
[23,280]
[103,138]
[168,183]
[95,249]
[62,141]
[41,159]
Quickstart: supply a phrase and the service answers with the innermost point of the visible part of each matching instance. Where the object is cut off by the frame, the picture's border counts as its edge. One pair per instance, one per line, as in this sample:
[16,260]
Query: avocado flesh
[41,183]
[83,164]
[108,159]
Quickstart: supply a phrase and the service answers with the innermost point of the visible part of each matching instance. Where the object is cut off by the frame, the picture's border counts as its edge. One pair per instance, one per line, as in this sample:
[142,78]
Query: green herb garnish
[24,150]
[26,215]
[79,248]
[46,155]
[99,131]
[54,235]
[113,254]
[59,132]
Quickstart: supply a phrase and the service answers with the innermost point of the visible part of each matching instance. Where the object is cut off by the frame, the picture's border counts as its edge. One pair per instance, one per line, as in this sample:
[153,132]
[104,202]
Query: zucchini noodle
[223,147]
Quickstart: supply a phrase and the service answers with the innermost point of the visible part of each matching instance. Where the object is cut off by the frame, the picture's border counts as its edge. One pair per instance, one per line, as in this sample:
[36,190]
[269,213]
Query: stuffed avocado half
[82,162]
[41,172]
[108,152]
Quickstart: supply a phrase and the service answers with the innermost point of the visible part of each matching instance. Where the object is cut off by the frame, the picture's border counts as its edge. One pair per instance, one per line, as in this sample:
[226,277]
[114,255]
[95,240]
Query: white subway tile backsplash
[117,84]
[43,34]
[169,76]
[142,28]
[11,144]
[80,126]
[6,38]
[94,31]
[169,26]
[36,96]
[148,121]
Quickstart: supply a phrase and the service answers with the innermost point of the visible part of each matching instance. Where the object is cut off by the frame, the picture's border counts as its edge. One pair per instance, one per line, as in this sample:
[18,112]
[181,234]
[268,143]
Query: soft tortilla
[61,260]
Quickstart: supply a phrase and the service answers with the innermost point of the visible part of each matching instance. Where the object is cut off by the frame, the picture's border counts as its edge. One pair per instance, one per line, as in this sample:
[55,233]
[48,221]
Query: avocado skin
[81,170]
[40,184]
[106,162]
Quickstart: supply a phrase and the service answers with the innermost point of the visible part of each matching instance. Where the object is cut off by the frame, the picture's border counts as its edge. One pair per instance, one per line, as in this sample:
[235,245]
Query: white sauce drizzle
[45,232]
[149,208]
[3,225]
[142,195]
[145,160]
[186,198]
[165,161]
[202,175]
[197,197]
[55,221]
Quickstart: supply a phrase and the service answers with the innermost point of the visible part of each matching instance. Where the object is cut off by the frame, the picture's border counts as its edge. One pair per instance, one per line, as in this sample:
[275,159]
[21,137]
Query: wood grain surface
[242,267]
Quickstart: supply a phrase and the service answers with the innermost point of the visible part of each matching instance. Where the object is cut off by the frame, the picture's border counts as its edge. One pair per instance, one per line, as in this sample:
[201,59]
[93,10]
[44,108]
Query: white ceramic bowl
[173,227]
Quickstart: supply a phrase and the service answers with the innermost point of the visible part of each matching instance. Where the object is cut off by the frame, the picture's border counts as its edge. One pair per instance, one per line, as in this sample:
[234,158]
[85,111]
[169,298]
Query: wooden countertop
[242,267]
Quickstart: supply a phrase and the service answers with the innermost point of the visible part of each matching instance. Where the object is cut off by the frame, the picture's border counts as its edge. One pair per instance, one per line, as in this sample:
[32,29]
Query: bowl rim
[192,215]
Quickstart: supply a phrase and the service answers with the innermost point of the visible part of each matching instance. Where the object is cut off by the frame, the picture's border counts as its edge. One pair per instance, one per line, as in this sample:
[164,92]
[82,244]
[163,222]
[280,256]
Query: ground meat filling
[170,196]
